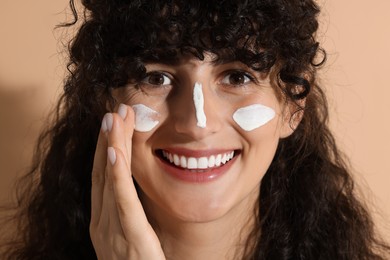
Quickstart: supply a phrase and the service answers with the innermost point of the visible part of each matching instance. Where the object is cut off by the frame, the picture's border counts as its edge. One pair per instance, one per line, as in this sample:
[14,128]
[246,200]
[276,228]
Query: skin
[169,217]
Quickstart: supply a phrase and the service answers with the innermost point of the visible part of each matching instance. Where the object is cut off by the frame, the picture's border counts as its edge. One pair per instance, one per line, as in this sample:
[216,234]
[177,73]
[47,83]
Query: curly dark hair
[307,207]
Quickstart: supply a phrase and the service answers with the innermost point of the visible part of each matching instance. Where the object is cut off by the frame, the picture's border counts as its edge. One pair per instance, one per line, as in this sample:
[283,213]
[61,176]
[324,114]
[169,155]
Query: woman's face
[191,115]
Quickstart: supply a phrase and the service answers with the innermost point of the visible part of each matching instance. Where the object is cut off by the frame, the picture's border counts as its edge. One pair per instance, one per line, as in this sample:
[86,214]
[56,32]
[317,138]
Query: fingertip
[130,117]
[126,113]
[122,111]
[107,122]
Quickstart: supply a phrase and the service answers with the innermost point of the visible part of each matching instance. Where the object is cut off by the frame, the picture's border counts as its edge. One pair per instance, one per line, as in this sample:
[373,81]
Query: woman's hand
[119,228]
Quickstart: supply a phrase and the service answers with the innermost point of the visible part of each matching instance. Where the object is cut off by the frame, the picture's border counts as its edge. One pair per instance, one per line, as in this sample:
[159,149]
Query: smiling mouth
[197,163]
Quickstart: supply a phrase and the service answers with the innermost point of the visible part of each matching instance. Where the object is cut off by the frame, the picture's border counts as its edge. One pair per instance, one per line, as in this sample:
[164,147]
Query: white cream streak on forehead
[253,116]
[199,105]
[145,118]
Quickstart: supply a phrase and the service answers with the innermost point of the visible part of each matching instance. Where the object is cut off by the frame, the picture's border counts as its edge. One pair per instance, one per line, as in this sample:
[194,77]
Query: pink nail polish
[104,124]
[107,122]
[111,155]
[122,111]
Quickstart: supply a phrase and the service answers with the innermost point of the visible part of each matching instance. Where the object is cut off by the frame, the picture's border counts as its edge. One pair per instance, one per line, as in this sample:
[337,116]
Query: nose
[196,112]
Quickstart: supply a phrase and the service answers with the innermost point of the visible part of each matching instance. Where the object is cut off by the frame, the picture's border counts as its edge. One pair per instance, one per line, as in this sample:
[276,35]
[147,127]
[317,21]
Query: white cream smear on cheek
[199,105]
[144,118]
[253,116]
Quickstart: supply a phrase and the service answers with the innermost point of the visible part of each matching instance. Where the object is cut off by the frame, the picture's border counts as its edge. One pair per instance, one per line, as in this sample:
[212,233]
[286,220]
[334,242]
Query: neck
[222,238]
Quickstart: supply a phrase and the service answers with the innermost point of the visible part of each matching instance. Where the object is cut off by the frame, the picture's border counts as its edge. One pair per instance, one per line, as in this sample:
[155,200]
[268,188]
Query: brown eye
[157,79]
[236,78]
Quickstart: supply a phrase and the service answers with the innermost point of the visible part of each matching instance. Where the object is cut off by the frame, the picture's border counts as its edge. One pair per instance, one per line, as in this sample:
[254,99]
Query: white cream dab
[253,116]
[145,118]
[199,105]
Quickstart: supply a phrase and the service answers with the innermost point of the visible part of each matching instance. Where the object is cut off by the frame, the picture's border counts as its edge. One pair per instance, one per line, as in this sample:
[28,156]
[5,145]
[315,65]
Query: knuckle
[123,210]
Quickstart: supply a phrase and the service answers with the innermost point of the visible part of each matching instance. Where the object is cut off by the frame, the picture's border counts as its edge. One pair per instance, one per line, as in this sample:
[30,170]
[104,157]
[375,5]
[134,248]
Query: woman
[193,130]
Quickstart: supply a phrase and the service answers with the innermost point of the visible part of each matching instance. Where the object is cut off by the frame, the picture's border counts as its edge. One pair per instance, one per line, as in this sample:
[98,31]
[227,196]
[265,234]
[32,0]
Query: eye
[155,83]
[236,78]
[157,79]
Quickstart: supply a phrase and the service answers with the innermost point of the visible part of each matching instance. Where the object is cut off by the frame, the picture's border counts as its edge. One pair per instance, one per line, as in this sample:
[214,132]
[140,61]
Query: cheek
[146,119]
[264,137]
[141,158]
[259,148]
[253,116]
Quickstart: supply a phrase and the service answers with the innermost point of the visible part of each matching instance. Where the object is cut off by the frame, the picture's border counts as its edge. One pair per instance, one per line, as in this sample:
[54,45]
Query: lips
[196,166]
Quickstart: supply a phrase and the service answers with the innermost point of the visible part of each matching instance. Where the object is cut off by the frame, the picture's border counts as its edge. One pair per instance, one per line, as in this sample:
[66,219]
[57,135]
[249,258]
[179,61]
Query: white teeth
[211,161]
[170,157]
[176,160]
[218,160]
[203,163]
[183,162]
[192,163]
[198,163]
[229,156]
[224,159]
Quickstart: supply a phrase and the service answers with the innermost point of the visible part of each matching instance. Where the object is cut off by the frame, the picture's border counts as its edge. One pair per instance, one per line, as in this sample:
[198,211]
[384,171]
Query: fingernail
[107,122]
[104,124]
[111,155]
[122,111]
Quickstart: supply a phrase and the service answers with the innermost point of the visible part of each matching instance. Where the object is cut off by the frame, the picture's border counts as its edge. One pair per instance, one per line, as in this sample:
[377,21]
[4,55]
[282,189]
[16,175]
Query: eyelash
[165,76]
[249,78]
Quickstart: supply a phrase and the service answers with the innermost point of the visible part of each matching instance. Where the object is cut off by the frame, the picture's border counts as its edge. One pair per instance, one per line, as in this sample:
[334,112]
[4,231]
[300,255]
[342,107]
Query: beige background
[356,35]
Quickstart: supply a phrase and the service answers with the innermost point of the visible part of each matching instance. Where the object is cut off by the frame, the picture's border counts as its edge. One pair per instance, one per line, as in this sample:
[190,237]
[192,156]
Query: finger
[109,222]
[98,174]
[130,210]
[118,136]
[127,113]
